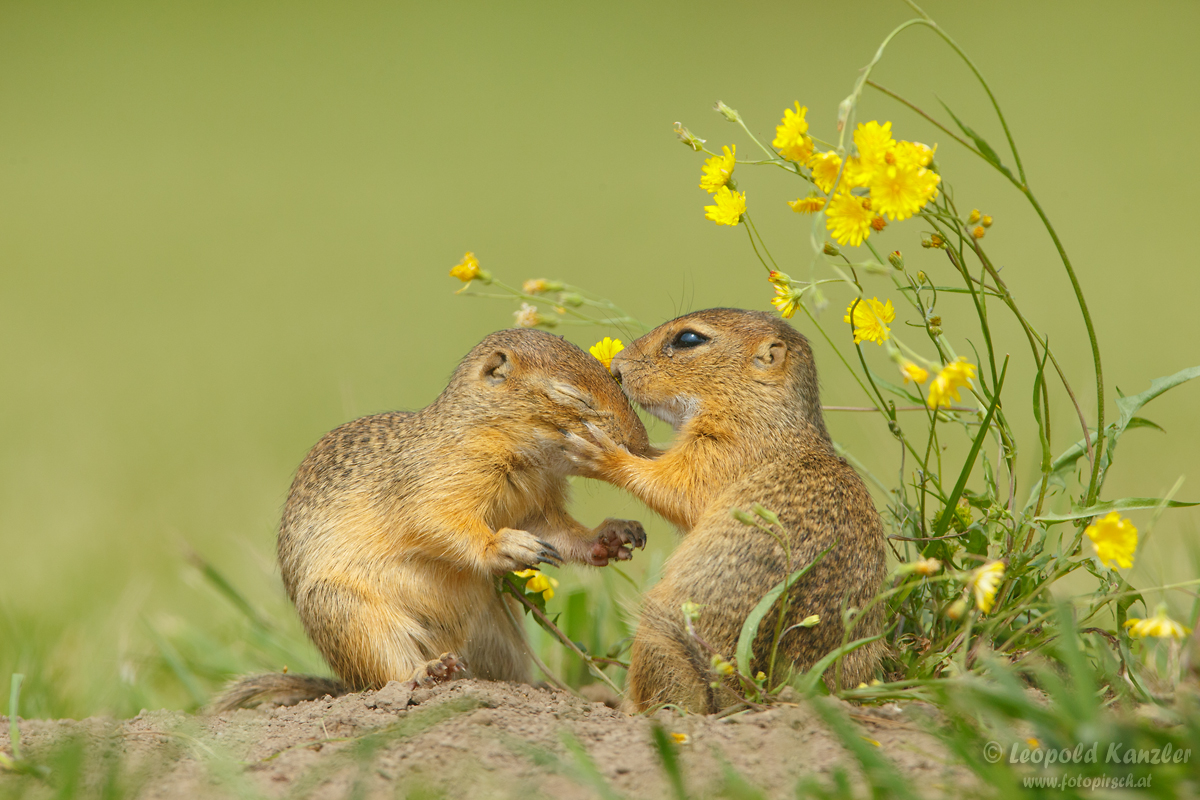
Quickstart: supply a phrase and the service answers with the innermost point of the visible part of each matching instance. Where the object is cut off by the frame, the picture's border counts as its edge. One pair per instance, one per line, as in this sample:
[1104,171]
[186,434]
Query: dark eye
[689,339]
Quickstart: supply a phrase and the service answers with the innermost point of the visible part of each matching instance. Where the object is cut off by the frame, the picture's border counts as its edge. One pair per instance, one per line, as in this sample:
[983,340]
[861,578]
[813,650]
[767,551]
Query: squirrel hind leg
[667,666]
[276,688]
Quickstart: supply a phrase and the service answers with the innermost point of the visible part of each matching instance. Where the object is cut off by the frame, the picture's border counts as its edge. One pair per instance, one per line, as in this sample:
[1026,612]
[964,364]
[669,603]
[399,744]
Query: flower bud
[979,232]
[571,299]
[844,112]
[878,224]
[831,249]
[766,514]
[957,609]
[727,112]
[539,286]
[935,320]
[688,138]
[811,621]
[742,517]
[936,240]
[986,221]
[926,243]
[971,220]
[921,276]
[691,610]
[896,259]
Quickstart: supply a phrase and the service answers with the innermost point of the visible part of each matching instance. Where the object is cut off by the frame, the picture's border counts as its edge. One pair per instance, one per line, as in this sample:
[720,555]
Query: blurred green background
[225,229]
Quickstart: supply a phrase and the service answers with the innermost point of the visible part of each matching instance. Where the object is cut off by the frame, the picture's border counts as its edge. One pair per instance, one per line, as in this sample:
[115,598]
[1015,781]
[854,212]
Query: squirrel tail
[275,687]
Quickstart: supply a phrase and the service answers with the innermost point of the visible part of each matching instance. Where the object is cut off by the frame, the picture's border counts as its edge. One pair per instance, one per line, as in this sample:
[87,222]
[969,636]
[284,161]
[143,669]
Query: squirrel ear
[770,354]
[496,368]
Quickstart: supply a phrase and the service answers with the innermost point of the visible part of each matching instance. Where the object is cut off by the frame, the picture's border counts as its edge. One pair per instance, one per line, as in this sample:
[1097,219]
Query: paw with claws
[517,550]
[445,668]
[615,540]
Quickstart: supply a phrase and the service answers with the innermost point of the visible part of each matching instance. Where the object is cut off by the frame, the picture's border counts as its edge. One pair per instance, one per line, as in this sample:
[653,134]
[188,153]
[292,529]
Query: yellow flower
[849,218]
[786,301]
[466,270]
[913,372]
[1114,538]
[538,582]
[540,286]
[874,142]
[857,174]
[984,583]
[900,189]
[605,349]
[953,377]
[680,738]
[791,135]
[870,318]
[927,566]
[1160,626]
[917,153]
[825,168]
[807,205]
[729,207]
[718,170]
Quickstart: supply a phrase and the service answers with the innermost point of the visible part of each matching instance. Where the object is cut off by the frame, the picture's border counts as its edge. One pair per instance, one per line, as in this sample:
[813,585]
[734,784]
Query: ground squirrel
[397,524]
[740,388]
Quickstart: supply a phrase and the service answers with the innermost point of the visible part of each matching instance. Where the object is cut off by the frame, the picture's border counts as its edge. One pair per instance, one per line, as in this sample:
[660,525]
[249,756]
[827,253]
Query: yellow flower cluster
[538,582]
[954,376]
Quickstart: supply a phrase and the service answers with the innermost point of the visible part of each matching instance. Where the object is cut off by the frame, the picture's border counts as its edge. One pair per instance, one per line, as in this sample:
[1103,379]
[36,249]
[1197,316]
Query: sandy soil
[467,739]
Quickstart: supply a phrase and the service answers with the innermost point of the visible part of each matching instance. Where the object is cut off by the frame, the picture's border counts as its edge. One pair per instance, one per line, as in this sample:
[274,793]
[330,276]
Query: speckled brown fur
[398,523]
[746,406]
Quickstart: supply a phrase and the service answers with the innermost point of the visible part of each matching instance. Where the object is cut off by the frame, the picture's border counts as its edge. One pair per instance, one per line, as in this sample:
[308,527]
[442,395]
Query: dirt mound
[465,739]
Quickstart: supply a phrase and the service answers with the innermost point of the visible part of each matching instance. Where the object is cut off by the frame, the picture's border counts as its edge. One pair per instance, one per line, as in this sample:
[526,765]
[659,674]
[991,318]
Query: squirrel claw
[445,668]
[549,555]
[615,540]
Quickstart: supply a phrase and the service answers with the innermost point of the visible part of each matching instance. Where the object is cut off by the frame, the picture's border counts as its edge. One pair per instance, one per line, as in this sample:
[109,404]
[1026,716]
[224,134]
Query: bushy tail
[275,687]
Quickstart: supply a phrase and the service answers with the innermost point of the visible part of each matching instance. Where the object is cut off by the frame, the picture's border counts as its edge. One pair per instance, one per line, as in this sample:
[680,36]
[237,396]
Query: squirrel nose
[615,366]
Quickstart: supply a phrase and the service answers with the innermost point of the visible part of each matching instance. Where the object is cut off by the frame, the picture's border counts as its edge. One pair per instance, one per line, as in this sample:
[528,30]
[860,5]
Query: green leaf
[1125,504]
[809,680]
[899,391]
[750,626]
[1128,406]
[985,149]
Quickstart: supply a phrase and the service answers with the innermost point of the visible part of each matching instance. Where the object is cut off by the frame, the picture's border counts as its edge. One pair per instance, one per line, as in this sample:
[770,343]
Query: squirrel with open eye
[740,388]
[398,524]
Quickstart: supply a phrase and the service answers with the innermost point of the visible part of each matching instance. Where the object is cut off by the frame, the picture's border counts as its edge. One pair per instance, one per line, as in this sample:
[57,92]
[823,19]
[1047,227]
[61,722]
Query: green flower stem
[750,223]
[933,121]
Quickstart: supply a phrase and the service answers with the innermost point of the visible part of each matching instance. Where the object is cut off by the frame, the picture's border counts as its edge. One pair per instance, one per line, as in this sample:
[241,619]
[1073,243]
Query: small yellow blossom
[986,221]
[900,189]
[786,301]
[527,316]
[927,567]
[920,154]
[605,349]
[466,270]
[985,581]
[1159,626]
[848,218]
[945,386]
[538,582]
[1032,742]
[874,142]
[811,621]
[1115,540]
[540,286]
[971,220]
[718,170]
[870,320]
[722,666]
[957,609]
[857,174]
[979,231]
[914,372]
[729,207]
[807,205]
[680,738]
[791,135]
[825,168]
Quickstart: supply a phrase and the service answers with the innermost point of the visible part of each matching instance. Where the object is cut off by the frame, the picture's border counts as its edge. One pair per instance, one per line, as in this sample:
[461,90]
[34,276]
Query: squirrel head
[739,367]
[535,385]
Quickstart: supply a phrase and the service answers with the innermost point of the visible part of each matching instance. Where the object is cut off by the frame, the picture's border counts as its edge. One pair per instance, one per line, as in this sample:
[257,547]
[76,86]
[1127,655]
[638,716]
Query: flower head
[1115,540]
[900,189]
[927,566]
[605,349]
[729,207]
[870,319]
[540,286]
[874,142]
[538,582]
[786,300]
[680,738]
[791,135]
[954,376]
[984,583]
[1160,626]
[848,218]
[466,270]
[807,205]
[920,154]
[914,372]
[718,170]
[527,316]
[825,168]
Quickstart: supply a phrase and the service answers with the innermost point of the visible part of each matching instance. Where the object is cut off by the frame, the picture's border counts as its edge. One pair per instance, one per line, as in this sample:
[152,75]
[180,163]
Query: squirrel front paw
[592,456]
[517,550]
[445,668]
[615,540]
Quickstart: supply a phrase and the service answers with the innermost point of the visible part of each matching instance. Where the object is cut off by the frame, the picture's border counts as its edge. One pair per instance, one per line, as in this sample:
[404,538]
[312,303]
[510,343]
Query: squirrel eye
[689,339]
